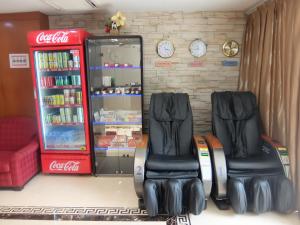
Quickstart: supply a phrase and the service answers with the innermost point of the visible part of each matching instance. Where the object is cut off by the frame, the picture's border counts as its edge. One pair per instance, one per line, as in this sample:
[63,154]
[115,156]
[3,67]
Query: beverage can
[45,60]
[59,60]
[51,81]
[50,60]
[78,80]
[70,64]
[66,80]
[42,80]
[61,99]
[55,62]
[78,97]
[76,61]
[72,100]
[68,114]
[67,96]
[55,102]
[40,60]
[65,59]
[73,79]
[80,114]
[61,78]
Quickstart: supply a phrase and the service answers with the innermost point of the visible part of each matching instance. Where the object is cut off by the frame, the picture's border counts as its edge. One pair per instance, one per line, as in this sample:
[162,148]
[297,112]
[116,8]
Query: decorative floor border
[86,214]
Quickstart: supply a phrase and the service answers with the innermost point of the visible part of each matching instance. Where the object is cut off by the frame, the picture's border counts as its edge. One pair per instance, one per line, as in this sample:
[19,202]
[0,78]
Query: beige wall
[199,82]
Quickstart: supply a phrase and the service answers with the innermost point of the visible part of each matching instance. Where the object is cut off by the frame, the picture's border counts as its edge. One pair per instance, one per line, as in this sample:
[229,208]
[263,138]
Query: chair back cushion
[236,122]
[16,132]
[170,124]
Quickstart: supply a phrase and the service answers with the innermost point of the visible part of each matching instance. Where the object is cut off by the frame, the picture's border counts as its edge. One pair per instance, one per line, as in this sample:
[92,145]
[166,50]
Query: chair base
[141,204]
[222,204]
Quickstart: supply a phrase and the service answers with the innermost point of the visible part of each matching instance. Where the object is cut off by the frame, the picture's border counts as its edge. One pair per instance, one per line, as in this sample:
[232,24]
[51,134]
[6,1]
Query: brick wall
[199,82]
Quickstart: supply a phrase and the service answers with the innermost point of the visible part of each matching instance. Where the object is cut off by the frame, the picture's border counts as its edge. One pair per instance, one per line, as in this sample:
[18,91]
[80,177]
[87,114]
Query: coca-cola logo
[58,37]
[71,166]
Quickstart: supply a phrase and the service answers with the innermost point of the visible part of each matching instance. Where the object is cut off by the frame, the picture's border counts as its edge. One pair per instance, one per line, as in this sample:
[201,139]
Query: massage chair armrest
[141,154]
[205,163]
[281,151]
[219,167]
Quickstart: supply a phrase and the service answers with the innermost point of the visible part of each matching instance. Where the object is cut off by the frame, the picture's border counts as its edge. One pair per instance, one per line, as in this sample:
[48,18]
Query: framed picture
[19,60]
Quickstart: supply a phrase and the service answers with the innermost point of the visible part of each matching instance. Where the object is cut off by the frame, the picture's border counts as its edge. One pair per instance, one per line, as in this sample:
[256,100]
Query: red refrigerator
[58,71]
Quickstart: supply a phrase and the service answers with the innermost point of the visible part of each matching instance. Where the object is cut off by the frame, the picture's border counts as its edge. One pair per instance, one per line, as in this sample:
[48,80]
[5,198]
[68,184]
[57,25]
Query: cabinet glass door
[60,99]
[115,85]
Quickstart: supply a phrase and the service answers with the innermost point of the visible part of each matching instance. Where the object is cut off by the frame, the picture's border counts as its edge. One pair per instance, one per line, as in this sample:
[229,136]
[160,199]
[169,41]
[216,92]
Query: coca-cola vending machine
[58,71]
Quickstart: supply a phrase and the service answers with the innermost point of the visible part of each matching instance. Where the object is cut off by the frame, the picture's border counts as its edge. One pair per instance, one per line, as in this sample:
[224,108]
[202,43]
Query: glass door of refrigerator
[116,100]
[60,99]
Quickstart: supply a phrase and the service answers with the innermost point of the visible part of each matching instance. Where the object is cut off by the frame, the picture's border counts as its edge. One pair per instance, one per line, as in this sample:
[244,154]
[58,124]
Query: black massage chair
[250,170]
[172,169]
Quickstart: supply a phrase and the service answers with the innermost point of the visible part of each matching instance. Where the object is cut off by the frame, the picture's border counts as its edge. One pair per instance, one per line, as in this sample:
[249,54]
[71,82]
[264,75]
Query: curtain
[270,68]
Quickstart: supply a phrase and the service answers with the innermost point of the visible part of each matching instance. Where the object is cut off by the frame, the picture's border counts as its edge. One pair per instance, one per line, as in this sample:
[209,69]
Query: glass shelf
[111,95]
[62,106]
[95,68]
[117,123]
[63,87]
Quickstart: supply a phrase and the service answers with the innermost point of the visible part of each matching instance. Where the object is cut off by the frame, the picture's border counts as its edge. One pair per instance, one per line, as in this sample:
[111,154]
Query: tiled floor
[88,191]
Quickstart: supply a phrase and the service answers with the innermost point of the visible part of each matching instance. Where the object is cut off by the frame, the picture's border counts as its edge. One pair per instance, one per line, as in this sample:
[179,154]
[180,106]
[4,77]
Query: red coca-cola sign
[69,166]
[57,37]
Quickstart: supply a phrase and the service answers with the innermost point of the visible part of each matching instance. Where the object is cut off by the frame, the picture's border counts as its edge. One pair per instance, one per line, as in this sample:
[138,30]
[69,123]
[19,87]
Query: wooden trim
[213,142]
[23,16]
[273,143]
[143,143]
[199,141]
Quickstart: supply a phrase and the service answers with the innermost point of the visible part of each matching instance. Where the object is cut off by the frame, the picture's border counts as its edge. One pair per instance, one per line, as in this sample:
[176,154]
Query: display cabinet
[115,90]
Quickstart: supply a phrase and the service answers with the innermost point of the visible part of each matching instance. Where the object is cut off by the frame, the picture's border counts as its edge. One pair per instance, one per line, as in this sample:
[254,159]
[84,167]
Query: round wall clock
[198,48]
[231,48]
[165,49]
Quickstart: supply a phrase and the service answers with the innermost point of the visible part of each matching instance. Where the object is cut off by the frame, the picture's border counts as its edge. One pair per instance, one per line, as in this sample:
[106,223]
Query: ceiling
[55,7]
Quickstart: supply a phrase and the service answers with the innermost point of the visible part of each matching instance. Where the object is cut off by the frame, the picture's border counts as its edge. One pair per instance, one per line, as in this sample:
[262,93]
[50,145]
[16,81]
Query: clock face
[198,48]
[165,49]
[230,48]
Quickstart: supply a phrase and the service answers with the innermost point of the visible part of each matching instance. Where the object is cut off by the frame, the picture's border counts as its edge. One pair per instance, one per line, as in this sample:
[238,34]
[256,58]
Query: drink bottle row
[65,116]
[50,81]
[67,60]
[69,97]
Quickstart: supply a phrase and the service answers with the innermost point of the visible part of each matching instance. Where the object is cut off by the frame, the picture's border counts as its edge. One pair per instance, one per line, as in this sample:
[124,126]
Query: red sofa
[19,151]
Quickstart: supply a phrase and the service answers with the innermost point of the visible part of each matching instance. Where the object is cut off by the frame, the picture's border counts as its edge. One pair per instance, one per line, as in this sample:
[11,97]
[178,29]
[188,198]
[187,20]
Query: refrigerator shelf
[111,95]
[59,70]
[61,73]
[67,147]
[63,106]
[63,87]
[64,124]
[118,123]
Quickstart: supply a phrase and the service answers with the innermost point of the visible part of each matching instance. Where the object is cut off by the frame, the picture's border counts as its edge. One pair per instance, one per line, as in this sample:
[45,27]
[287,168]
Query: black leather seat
[172,171]
[254,162]
[172,163]
[255,173]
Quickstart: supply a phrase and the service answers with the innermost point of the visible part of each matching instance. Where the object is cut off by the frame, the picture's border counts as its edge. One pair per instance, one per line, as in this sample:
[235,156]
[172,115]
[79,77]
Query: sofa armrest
[25,163]
[31,147]
[205,163]
[280,150]
[218,160]
[140,157]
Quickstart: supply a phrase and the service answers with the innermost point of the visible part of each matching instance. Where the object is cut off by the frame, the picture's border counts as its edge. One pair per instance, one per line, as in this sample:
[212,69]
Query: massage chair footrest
[174,196]
[261,194]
